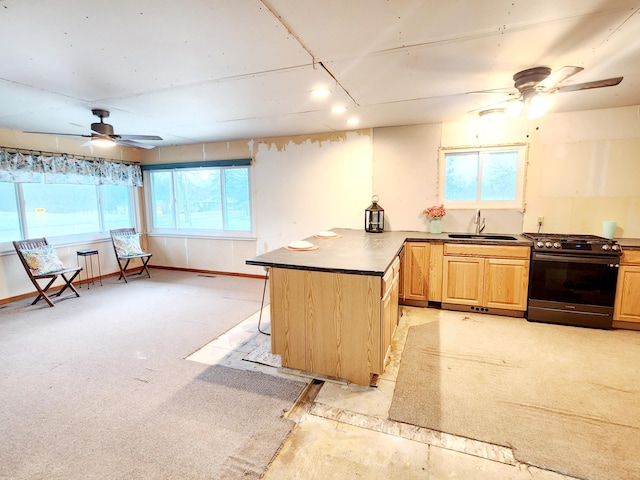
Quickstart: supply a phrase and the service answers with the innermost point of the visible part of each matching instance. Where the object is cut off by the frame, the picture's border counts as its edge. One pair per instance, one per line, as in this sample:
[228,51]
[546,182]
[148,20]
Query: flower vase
[436,225]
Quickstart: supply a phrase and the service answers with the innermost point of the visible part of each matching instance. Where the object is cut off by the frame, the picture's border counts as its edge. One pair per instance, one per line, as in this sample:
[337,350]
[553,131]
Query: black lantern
[374,217]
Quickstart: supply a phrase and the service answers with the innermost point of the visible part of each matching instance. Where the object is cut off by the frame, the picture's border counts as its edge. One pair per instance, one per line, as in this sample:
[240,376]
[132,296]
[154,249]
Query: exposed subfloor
[343,430]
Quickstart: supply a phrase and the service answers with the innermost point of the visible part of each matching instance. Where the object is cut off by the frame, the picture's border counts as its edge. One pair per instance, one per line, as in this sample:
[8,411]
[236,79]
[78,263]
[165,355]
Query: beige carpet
[98,386]
[565,399]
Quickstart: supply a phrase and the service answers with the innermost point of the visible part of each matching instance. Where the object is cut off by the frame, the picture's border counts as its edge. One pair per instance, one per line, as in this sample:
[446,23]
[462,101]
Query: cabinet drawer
[630,257]
[500,251]
[386,280]
[389,275]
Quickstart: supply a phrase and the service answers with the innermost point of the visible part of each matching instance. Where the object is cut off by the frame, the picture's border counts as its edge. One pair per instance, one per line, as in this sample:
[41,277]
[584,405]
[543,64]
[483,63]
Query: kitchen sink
[480,236]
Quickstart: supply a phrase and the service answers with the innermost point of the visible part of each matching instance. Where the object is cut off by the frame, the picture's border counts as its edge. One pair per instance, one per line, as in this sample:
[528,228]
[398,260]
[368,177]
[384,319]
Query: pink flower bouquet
[435,211]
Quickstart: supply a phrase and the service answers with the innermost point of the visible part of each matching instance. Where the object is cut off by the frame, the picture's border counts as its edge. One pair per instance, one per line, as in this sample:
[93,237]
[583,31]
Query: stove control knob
[606,247]
[548,244]
[556,245]
[540,244]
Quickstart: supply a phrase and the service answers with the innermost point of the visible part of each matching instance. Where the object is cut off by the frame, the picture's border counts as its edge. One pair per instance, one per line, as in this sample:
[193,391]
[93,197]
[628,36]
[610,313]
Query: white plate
[299,244]
[327,234]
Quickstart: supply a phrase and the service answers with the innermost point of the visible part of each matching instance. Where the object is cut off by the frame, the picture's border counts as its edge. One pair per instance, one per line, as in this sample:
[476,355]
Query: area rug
[565,399]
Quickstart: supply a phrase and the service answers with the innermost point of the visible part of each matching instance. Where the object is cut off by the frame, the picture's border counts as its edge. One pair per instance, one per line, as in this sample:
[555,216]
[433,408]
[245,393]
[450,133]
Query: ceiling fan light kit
[535,84]
[99,141]
[538,106]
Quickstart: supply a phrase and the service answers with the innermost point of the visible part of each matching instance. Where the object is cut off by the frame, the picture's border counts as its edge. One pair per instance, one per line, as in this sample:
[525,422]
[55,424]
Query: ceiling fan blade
[505,91]
[138,137]
[60,134]
[608,82]
[502,104]
[130,143]
[556,77]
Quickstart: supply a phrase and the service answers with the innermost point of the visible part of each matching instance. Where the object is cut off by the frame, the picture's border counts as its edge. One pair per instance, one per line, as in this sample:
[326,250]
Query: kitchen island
[334,309]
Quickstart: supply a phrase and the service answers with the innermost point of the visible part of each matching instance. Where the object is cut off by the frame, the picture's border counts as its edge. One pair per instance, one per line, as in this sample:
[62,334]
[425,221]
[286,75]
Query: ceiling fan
[103,134]
[534,84]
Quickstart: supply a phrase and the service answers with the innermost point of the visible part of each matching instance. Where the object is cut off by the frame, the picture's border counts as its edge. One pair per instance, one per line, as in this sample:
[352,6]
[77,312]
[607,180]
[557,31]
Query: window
[116,207]
[207,198]
[490,177]
[9,218]
[55,210]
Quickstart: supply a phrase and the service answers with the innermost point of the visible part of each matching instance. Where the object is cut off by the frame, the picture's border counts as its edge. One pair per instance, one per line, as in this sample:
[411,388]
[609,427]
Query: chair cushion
[42,260]
[128,246]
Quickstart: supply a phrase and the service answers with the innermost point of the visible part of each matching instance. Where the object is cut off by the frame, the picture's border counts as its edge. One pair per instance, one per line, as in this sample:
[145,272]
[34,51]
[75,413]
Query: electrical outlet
[540,221]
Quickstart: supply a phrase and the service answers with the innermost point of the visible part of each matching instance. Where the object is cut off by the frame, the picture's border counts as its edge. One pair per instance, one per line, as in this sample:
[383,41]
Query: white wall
[585,168]
[306,185]
[405,173]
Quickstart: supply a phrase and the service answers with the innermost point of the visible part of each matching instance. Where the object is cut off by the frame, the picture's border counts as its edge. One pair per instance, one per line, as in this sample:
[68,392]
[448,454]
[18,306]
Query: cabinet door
[416,271]
[462,280]
[387,324]
[505,283]
[627,307]
[288,313]
[435,272]
[401,269]
[389,310]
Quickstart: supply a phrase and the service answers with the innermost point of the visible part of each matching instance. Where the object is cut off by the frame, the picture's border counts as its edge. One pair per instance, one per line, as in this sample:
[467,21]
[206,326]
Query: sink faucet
[479,222]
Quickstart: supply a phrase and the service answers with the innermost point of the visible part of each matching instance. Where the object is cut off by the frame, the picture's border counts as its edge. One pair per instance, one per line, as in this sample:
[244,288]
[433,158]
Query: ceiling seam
[617,29]
[489,33]
[307,49]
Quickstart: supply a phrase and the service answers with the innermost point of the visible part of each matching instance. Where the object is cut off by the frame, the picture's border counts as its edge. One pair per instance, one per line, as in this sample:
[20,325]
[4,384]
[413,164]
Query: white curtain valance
[32,168]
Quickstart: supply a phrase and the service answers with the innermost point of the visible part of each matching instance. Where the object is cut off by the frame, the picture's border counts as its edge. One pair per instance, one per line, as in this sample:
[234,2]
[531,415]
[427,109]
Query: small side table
[89,253]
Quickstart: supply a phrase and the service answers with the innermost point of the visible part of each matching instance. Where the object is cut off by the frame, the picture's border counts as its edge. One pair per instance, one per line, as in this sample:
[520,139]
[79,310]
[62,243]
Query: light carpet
[98,386]
[565,399]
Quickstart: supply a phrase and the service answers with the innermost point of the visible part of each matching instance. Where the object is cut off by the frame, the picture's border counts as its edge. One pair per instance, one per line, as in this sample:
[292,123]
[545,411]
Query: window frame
[478,203]
[221,166]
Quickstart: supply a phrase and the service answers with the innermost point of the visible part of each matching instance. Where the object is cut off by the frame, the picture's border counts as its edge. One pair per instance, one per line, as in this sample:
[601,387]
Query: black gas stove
[572,279]
[573,244]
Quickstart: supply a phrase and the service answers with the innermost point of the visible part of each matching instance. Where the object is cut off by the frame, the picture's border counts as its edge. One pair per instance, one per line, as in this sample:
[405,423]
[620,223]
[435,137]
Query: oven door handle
[611,261]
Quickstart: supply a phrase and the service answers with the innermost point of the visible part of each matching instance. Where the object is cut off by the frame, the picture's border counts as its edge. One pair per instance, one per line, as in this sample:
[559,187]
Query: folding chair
[126,245]
[40,261]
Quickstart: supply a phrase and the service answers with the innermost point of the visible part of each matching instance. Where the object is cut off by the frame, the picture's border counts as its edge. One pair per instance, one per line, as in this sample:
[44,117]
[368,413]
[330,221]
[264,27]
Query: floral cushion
[42,260]
[127,246]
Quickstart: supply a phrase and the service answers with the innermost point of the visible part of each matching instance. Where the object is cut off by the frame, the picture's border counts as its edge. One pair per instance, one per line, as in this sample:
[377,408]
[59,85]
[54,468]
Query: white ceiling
[196,71]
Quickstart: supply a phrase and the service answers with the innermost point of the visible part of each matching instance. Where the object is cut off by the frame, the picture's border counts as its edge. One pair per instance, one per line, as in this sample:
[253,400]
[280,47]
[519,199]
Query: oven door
[572,289]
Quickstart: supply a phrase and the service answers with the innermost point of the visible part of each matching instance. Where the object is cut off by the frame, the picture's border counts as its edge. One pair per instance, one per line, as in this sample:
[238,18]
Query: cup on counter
[608,228]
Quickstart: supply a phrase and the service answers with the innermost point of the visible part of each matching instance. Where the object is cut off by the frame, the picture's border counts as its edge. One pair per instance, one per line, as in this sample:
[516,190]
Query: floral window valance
[21,167]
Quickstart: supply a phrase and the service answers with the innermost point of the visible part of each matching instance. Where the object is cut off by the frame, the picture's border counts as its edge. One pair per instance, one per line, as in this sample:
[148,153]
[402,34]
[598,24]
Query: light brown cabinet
[421,273]
[416,271]
[462,280]
[334,324]
[390,288]
[483,277]
[627,305]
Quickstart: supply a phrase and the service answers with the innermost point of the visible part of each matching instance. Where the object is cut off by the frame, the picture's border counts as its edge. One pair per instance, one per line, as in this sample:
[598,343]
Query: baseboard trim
[54,289]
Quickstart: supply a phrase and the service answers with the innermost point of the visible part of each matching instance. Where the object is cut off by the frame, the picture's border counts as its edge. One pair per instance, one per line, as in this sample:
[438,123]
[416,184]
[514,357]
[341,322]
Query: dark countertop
[358,252]
[632,243]
[354,251]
